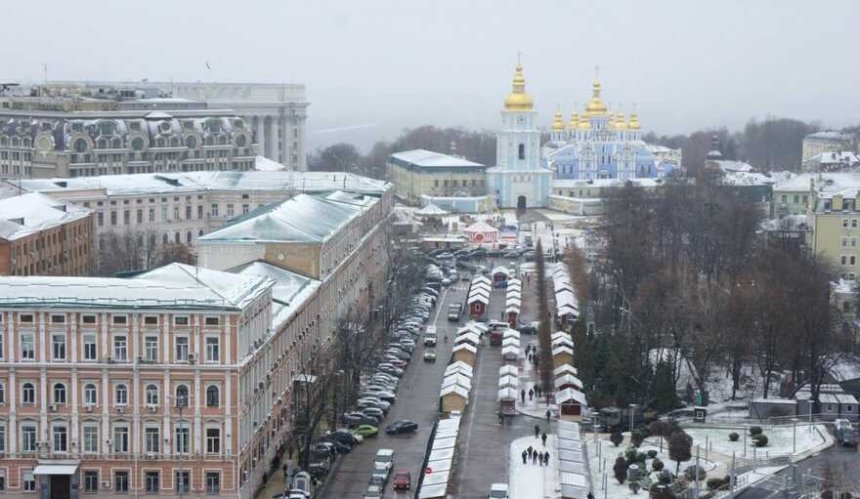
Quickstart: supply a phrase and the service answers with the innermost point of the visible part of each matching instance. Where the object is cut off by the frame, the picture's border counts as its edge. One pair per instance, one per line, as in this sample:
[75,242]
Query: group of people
[536,456]
[533,392]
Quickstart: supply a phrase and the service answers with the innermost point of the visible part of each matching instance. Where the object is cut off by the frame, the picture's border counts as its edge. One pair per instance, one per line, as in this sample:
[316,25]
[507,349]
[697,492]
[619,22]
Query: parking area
[417,400]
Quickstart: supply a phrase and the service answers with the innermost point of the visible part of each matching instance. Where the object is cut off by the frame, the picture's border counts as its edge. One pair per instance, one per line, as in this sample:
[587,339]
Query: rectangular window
[199,212]
[214,210]
[2,438]
[152,482]
[852,259]
[176,213]
[229,210]
[58,346]
[183,439]
[213,482]
[28,438]
[60,439]
[90,350]
[188,212]
[91,439]
[126,217]
[113,218]
[151,438]
[88,319]
[29,482]
[120,439]
[213,441]
[183,482]
[150,348]
[164,213]
[120,348]
[139,216]
[101,219]
[120,320]
[180,320]
[212,321]
[245,209]
[1,345]
[28,346]
[26,318]
[844,223]
[58,319]
[213,351]
[120,482]
[181,350]
[152,214]
[91,481]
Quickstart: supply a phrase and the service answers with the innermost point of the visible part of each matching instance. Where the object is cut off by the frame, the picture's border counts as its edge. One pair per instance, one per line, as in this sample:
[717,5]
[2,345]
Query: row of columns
[270,130]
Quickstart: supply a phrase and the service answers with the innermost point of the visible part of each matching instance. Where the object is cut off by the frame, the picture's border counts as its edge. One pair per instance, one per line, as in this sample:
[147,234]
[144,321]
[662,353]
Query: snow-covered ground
[782,440]
[601,458]
[532,480]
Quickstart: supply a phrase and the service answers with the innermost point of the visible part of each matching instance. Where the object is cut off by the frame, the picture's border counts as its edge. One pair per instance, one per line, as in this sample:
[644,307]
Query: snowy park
[782,440]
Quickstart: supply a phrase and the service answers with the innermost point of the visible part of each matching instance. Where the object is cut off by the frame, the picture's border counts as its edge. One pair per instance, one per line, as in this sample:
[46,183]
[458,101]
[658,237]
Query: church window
[521,151]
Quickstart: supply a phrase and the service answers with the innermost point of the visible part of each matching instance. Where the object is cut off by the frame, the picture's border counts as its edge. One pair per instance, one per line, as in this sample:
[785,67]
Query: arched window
[210,141]
[28,393]
[137,144]
[191,142]
[59,393]
[174,142]
[80,145]
[200,233]
[90,394]
[177,238]
[121,395]
[241,141]
[116,143]
[188,237]
[102,143]
[222,140]
[182,396]
[212,396]
[164,239]
[151,394]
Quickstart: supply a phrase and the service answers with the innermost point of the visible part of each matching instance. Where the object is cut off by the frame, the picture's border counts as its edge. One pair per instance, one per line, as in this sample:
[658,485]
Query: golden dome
[633,124]
[518,99]
[620,124]
[611,119]
[584,124]
[574,121]
[595,106]
[558,122]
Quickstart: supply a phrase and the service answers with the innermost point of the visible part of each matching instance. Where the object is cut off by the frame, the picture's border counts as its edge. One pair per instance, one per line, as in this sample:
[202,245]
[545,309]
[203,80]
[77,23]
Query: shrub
[656,464]
[652,454]
[630,455]
[662,492]
[755,430]
[760,440]
[690,473]
[715,483]
[616,438]
[733,436]
[636,438]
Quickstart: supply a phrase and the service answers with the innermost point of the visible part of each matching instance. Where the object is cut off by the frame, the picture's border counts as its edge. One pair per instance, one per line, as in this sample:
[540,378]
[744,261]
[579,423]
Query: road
[417,399]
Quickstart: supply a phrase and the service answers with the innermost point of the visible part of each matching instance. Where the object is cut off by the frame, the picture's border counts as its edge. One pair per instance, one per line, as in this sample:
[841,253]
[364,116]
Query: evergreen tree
[545,331]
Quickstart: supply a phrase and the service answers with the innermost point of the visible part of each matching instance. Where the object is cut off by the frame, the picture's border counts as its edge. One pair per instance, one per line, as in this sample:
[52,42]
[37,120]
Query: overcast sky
[373,67]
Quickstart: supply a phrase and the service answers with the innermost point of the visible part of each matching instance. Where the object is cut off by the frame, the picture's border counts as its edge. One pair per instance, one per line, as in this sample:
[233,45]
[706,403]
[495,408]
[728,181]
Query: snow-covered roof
[478,297]
[564,368]
[459,367]
[480,278]
[23,215]
[511,381]
[469,327]
[604,183]
[513,301]
[478,327]
[739,178]
[846,368]
[568,379]
[509,370]
[264,164]
[465,347]
[457,379]
[510,350]
[430,159]
[510,340]
[507,393]
[175,286]
[513,283]
[290,291]
[480,227]
[467,337]
[512,309]
[561,350]
[729,166]
[829,135]
[431,210]
[570,395]
[454,389]
[302,218]
[562,342]
[846,157]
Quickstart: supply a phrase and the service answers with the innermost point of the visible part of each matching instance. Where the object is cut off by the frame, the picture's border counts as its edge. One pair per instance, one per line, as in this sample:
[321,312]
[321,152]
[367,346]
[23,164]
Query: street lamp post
[632,408]
[181,403]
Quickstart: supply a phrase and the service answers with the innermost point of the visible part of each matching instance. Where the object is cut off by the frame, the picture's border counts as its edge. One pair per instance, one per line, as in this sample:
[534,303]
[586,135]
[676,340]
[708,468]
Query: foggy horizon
[374,68]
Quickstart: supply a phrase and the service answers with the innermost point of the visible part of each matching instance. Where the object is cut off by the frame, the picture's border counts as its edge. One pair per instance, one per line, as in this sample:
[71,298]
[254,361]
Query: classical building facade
[140,386]
[275,112]
[43,236]
[180,207]
[827,141]
[417,174]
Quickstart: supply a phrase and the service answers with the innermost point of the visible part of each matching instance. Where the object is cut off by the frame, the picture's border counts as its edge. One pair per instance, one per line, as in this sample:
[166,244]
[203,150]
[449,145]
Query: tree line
[686,282]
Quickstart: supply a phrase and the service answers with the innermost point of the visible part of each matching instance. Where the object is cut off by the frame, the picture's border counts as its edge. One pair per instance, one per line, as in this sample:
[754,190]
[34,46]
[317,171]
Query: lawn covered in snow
[780,440]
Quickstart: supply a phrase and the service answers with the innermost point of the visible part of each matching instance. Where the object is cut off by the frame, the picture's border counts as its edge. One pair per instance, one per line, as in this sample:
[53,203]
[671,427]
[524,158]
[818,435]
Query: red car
[402,480]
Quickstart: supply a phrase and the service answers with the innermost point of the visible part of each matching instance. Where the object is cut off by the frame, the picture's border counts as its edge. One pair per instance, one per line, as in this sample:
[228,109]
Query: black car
[341,446]
[401,426]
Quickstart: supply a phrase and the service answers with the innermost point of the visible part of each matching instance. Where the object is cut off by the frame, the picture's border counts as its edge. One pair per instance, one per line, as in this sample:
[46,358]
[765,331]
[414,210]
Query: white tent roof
[469,328]
[502,270]
[508,370]
[511,333]
[566,379]
[478,327]
[465,346]
[481,227]
[515,282]
[564,368]
[467,337]
[507,393]
[480,278]
[478,297]
[457,389]
[459,367]
[431,210]
[511,381]
[457,379]
[559,334]
[562,350]
[562,342]
[513,300]
[510,350]
[568,395]
[511,341]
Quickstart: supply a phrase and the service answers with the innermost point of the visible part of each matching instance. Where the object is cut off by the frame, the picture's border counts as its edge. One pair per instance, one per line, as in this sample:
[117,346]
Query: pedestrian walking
[531,393]
[525,455]
[546,458]
[523,395]
[285,471]
[534,458]
[537,431]
[548,414]
[543,439]
[530,451]
[589,496]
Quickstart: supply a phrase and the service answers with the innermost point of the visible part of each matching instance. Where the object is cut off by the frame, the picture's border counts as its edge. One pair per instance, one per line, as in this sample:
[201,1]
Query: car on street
[401,426]
[381,394]
[378,478]
[390,369]
[366,430]
[374,412]
[384,460]
[402,480]
[499,491]
[430,356]
[373,492]
[396,361]
[446,282]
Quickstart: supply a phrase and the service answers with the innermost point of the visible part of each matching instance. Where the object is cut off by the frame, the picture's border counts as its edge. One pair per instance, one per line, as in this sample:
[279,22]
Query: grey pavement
[417,399]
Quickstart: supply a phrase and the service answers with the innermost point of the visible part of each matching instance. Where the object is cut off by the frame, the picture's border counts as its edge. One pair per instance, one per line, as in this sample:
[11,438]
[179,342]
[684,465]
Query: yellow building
[836,230]
[820,142]
[426,173]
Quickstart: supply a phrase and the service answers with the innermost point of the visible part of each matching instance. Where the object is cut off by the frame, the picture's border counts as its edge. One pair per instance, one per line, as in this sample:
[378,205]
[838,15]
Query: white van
[430,336]
[384,460]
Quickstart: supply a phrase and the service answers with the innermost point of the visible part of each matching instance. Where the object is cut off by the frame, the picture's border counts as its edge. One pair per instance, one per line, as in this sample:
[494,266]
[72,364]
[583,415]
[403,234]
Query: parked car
[374,412]
[373,492]
[340,446]
[402,480]
[378,478]
[384,460]
[366,430]
[430,356]
[401,426]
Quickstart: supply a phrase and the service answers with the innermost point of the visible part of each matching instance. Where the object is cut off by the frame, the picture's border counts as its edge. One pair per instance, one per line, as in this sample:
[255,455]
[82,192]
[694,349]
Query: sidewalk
[533,481]
[537,406]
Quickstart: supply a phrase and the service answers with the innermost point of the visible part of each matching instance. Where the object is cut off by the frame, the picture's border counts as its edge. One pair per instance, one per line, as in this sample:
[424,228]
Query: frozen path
[533,481]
